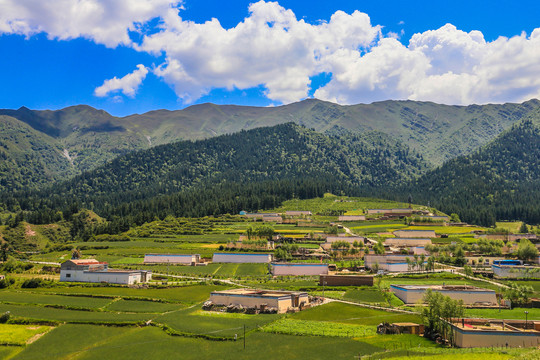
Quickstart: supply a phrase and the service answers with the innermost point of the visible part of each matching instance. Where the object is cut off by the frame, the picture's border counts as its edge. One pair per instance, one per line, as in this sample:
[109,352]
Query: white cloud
[128,84]
[104,21]
[272,48]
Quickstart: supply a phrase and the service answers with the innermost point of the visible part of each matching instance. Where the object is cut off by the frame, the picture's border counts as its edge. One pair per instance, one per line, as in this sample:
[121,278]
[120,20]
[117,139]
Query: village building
[415,234]
[349,239]
[390,262]
[281,301]
[298,269]
[91,270]
[272,218]
[260,215]
[351,218]
[298,213]
[471,295]
[502,269]
[184,259]
[470,333]
[346,280]
[241,258]
[378,211]
[407,242]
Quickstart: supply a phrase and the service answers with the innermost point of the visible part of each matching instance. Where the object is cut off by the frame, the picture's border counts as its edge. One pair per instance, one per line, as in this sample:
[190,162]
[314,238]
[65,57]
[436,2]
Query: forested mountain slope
[499,181]
[92,137]
[286,151]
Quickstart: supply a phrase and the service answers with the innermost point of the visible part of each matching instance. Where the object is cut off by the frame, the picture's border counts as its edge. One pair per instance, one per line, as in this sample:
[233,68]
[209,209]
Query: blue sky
[133,56]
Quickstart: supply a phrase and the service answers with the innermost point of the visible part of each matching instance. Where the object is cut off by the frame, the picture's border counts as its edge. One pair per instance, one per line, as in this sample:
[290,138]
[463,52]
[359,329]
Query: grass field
[214,269]
[188,294]
[20,334]
[351,314]
[24,297]
[141,306]
[318,328]
[95,342]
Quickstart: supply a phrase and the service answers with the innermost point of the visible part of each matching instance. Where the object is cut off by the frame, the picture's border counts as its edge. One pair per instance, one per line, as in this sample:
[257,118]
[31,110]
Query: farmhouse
[241,258]
[272,218]
[185,259]
[349,239]
[407,242]
[415,233]
[260,215]
[346,280]
[298,213]
[352,218]
[507,270]
[282,301]
[389,262]
[298,269]
[378,211]
[412,294]
[90,270]
[495,333]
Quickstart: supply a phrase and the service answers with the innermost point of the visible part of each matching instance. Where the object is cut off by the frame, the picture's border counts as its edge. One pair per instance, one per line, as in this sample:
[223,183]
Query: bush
[4,283]
[5,317]
[32,283]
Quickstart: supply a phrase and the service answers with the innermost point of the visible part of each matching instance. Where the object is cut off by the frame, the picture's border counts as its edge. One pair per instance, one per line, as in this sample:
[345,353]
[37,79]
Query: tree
[518,294]
[459,257]
[438,314]
[5,248]
[523,229]
[76,254]
[527,250]
[430,263]
[455,218]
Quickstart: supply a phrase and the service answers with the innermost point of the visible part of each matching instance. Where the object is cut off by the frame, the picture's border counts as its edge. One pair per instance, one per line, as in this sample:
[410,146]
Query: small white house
[299,269]
[352,218]
[242,258]
[184,259]
[91,270]
[389,262]
[415,233]
[516,271]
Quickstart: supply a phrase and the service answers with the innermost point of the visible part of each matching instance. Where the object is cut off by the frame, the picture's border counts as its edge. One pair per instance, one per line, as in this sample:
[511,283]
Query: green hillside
[500,181]
[271,154]
[91,137]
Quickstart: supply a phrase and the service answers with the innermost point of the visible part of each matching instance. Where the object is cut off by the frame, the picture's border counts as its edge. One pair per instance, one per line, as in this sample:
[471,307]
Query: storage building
[298,213]
[516,271]
[282,301]
[406,242]
[389,262]
[470,333]
[299,269]
[90,270]
[471,295]
[241,258]
[351,218]
[184,259]
[415,233]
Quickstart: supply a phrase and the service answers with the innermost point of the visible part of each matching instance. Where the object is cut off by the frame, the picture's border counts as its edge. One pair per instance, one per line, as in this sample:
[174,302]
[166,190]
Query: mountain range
[42,146]
[478,161]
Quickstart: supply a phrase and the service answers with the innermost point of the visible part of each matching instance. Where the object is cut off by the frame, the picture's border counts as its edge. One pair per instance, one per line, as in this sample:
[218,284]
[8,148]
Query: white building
[516,271]
[91,270]
[185,259]
[298,213]
[471,295]
[349,239]
[299,269]
[406,242]
[241,258]
[389,262]
[352,218]
[415,233]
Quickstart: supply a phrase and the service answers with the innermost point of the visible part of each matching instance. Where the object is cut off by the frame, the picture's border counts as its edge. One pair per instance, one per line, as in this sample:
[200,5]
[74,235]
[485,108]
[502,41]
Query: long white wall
[241,258]
[299,269]
[171,258]
[127,278]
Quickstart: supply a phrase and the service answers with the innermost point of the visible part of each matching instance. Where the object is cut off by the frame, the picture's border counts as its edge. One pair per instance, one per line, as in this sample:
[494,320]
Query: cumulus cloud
[274,49]
[128,84]
[104,21]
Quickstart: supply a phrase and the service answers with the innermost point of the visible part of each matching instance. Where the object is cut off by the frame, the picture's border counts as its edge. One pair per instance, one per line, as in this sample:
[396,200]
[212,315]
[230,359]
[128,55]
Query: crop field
[214,269]
[515,314]
[141,306]
[193,320]
[95,342]
[18,335]
[318,328]
[351,314]
[187,294]
[25,297]
[447,229]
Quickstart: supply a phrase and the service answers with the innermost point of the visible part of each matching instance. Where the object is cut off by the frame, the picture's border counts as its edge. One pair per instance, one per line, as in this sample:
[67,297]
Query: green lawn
[352,314]
[318,328]
[516,313]
[214,269]
[26,297]
[195,320]
[95,342]
[141,306]
[19,334]
[187,294]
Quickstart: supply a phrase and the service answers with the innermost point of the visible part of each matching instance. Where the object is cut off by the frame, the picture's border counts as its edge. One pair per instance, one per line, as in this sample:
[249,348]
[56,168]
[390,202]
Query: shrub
[32,283]
[5,317]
